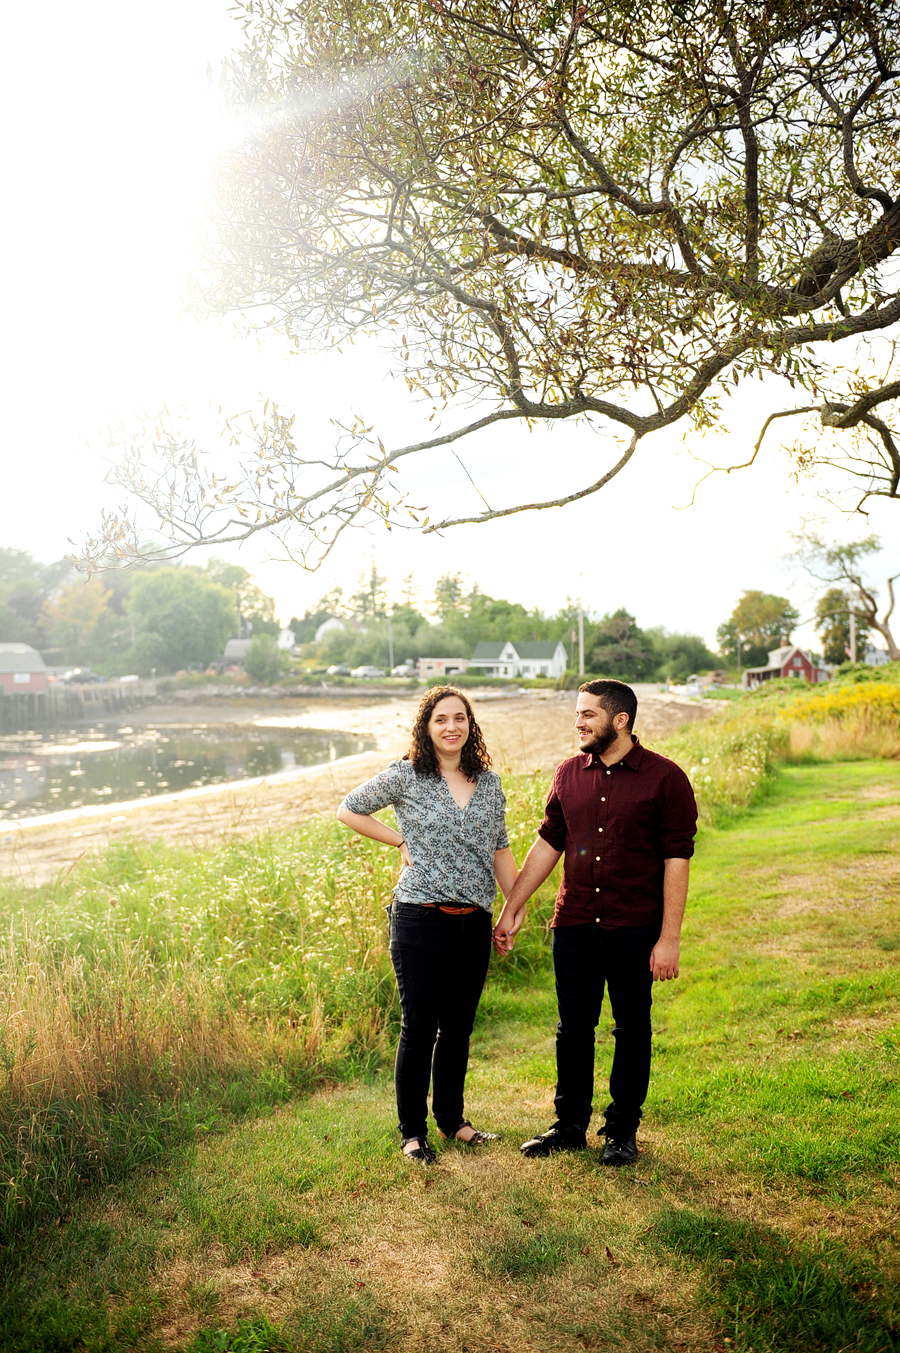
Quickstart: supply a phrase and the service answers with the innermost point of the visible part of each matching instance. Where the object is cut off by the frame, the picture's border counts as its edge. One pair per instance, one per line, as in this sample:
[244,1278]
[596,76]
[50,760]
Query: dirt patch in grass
[876,791]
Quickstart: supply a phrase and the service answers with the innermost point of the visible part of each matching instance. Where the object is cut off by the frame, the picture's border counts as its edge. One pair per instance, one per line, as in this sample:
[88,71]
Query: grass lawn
[762,1215]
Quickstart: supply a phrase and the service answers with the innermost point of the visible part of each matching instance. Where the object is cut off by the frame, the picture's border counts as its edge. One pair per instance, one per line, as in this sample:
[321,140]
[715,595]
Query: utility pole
[738,637]
[580,627]
[390,642]
[853,636]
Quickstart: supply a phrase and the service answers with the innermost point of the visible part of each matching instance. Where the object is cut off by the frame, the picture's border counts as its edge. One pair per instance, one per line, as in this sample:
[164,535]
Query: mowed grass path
[762,1215]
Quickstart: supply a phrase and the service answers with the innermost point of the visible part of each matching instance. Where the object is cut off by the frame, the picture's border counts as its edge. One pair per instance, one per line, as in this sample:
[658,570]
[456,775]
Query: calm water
[45,773]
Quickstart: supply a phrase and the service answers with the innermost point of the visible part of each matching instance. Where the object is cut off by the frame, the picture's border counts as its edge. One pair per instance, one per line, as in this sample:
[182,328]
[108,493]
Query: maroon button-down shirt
[617,825]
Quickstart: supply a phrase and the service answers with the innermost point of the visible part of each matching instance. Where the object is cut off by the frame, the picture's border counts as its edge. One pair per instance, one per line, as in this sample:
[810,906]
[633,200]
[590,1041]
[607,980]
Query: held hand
[506,930]
[664,959]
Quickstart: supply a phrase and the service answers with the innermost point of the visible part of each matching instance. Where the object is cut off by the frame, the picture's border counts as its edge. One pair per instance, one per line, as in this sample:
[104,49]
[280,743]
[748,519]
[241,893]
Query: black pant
[585,959]
[441,963]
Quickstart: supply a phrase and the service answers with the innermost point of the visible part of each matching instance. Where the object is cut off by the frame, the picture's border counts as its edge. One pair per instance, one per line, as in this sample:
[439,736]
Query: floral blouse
[451,848]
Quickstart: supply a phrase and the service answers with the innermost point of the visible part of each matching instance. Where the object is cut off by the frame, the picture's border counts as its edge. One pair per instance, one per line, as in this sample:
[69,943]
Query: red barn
[789,661]
[22,670]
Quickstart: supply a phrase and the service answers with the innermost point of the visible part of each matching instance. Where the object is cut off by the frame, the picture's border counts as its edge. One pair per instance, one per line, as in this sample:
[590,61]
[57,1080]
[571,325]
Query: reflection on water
[48,773]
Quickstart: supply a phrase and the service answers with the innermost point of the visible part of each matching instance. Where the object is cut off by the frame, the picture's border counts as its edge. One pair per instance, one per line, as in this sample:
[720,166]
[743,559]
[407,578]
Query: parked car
[367,672]
[80,676]
[404,670]
[338,670]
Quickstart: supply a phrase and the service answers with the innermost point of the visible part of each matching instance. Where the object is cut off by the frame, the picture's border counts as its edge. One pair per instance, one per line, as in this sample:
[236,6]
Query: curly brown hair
[474,756]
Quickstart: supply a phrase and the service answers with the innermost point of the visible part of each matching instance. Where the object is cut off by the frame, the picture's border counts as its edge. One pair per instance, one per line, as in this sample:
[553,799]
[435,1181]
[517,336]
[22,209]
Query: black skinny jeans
[585,959]
[441,962]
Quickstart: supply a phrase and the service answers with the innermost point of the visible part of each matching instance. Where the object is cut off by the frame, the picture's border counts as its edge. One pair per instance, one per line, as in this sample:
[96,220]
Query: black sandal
[477,1139]
[424,1153]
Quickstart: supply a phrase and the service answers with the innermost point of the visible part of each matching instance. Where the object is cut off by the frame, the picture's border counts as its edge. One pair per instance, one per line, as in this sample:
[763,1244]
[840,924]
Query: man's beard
[602,740]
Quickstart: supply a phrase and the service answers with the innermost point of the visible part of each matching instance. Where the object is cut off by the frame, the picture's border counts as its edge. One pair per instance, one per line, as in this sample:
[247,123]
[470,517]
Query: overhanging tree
[607,213]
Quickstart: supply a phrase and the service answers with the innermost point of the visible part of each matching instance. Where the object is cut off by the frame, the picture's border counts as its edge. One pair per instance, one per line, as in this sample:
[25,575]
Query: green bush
[264,661]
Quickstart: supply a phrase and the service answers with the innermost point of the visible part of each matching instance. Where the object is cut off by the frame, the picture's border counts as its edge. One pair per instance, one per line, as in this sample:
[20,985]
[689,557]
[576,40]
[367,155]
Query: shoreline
[196,791]
[530,732]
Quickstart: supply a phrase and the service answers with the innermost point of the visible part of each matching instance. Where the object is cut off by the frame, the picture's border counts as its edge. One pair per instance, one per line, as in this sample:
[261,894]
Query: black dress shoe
[555,1139]
[623,1152]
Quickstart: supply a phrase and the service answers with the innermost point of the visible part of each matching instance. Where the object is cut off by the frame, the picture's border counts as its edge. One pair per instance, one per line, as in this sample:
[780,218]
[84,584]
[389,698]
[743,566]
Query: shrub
[729,758]
[264,661]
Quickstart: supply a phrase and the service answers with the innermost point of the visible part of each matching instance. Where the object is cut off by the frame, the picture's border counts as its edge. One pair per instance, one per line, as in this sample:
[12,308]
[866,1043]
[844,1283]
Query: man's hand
[506,930]
[538,864]
[664,959]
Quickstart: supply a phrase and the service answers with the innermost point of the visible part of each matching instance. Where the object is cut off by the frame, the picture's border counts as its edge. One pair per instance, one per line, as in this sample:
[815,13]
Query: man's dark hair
[615,697]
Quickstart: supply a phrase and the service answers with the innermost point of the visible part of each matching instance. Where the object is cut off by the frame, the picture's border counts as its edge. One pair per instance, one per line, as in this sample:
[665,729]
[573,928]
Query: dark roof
[20,658]
[488,650]
[541,648]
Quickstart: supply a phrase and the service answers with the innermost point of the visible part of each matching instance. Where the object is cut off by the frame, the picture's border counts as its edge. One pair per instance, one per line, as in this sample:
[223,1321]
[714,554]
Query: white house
[544,657]
[236,651]
[329,626]
[876,657]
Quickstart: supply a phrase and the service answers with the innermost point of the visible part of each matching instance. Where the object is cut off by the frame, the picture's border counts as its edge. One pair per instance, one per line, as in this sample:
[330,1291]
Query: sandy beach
[527,731]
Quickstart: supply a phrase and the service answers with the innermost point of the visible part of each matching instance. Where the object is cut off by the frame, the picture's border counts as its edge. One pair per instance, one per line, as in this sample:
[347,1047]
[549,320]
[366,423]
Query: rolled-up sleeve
[677,818]
[381,791]
[553,828]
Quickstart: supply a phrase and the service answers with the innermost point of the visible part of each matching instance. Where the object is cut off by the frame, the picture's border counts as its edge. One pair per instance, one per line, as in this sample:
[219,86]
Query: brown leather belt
[452,911]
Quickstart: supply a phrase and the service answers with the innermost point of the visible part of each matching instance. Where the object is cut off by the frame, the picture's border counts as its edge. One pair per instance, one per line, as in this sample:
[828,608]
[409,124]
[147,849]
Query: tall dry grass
[156,990]
[845,721]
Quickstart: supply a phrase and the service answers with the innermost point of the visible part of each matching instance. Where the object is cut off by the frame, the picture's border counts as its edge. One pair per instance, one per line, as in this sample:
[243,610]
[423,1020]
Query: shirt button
[597,919]
[609,772]
[603,800]
[596,890]
[599,829]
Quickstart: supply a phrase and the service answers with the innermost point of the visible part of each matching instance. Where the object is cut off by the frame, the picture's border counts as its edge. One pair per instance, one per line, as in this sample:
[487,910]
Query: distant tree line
[160,617]
[460,615]
[762,621]
[170,617]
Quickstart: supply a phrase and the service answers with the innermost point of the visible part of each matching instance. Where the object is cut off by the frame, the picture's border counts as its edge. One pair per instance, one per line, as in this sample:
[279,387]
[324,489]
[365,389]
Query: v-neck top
[451,848]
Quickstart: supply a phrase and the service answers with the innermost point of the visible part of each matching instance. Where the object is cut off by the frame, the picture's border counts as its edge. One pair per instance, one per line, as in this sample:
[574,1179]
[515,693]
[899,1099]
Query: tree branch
[492,515]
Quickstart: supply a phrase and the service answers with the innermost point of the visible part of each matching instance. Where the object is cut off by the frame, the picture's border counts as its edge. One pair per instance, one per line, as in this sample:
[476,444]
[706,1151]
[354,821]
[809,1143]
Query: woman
[453,845]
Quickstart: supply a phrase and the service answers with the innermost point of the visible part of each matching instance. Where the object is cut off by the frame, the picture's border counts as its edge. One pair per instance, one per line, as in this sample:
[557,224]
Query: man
[625,818]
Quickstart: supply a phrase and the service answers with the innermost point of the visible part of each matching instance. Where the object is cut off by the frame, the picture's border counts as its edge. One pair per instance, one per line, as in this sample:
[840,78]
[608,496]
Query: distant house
[441,667]
[236,652]
[876,657]
[544,657]
[329,626]
[788,661]
[22,669]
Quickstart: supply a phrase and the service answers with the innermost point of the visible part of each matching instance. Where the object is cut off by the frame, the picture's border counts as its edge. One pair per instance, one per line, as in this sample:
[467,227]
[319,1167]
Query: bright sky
[109,139]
